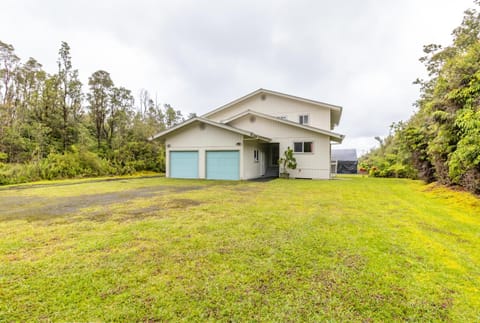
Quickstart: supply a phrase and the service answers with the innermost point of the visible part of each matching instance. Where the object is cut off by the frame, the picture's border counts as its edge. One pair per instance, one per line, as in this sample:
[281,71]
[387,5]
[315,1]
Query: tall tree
[172,116]
[8,64]
[120,112]
[99,98]
[70,89]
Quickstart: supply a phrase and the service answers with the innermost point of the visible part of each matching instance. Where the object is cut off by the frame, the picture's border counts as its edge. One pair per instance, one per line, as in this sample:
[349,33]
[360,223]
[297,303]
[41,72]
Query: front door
[271,160]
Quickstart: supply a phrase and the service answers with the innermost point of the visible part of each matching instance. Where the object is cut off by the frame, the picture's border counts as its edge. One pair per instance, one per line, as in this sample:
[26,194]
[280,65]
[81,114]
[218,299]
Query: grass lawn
[156,249]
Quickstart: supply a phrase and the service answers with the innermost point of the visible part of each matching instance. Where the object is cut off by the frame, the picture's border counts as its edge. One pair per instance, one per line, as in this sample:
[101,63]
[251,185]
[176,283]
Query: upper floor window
[303,119]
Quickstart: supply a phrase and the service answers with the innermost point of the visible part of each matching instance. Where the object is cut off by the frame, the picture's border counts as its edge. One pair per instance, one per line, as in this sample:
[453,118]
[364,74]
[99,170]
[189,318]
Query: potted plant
[287,161]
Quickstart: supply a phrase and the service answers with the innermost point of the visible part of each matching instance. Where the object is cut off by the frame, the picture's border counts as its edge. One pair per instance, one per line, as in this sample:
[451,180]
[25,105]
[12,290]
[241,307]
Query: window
[307,147]
[303,119]
[298,147]
[282,117]
[255,155]
[303,147]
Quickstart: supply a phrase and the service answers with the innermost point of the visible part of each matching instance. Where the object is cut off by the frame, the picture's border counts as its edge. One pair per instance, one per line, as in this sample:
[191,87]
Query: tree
[99,98]
[44,127]
[8,65]
[441,139]
[287,161]
[70,89]
[172,116]
[120,114]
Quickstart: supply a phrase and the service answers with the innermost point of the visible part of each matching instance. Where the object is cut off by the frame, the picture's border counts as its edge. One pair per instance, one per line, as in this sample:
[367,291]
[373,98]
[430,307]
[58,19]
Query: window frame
[256,155]
[302,117]
[303,147]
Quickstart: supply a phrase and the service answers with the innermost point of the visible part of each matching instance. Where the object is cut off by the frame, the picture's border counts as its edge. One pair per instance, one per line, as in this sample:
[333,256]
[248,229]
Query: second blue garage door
[223,164]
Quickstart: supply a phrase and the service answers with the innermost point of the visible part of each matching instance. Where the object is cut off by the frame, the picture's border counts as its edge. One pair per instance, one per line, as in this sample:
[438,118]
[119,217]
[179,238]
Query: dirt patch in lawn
[44,208]
[182,203]
[434,229]
[60,183]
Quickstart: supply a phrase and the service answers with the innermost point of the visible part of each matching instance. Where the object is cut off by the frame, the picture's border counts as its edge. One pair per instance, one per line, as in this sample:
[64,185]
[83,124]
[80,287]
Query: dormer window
[303,119]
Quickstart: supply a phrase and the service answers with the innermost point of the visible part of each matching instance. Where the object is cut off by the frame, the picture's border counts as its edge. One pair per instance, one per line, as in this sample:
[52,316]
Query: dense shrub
[134,157]
[74,164]
[19,173]
[56,166]
[138,156]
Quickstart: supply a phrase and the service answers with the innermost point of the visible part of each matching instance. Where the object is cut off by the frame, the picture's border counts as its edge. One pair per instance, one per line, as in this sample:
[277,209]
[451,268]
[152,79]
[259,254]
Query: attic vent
[263,97]
[202,126]
[252,119]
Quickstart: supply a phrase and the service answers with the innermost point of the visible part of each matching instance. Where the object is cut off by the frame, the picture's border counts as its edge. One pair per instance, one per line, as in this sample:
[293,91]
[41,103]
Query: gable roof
[212,123]
[344,154]
[335,110]
[333,135]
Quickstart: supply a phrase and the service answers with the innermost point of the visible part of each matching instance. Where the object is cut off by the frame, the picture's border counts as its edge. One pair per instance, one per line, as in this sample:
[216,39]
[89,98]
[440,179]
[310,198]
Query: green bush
[131,158]
[384,169]
[74,164]
[401,171]
[57,166]
[19,173]
[138,156]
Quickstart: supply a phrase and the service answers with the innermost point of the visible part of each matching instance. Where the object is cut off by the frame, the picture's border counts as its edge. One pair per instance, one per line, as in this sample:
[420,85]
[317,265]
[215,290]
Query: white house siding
[278,106]
[252,168]
[310,165]
[202,138]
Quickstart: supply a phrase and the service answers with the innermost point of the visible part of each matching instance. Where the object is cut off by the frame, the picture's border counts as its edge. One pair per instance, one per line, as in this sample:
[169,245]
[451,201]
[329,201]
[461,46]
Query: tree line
[441,141]
[50,128]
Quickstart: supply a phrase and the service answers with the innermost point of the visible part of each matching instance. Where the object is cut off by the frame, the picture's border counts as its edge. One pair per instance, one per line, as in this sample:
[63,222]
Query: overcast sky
[198,55]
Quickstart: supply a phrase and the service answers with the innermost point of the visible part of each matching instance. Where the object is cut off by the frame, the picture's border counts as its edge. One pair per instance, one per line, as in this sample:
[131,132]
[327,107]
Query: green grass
[156,249]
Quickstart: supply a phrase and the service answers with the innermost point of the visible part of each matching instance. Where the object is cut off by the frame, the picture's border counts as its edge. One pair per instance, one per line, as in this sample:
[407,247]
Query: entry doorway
[272,154]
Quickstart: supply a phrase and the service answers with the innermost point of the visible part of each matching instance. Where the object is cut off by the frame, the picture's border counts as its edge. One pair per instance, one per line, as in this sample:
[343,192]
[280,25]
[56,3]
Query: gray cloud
[198,55]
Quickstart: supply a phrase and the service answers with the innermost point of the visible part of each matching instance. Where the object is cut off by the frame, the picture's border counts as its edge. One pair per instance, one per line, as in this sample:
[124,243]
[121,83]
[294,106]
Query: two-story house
[245,138]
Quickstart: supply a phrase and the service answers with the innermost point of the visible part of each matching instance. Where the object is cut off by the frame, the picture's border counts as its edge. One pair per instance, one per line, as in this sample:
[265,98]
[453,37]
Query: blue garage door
[223,164]
[184,164]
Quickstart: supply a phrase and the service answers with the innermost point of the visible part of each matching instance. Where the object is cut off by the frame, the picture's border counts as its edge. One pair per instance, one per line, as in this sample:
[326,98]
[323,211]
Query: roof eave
[210,122]
[337,140]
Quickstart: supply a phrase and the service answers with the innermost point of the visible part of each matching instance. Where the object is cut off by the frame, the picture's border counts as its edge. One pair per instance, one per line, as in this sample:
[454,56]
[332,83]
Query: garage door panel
[223,165]
[184,164]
